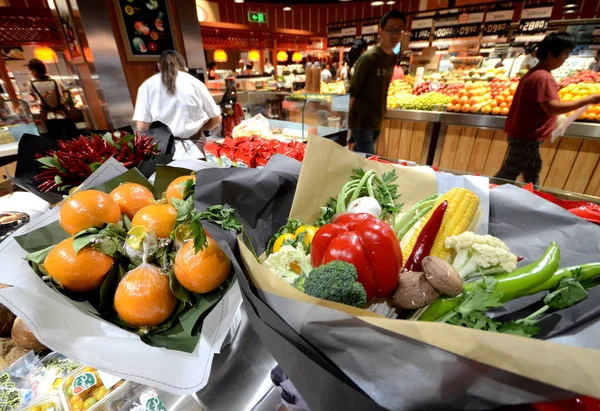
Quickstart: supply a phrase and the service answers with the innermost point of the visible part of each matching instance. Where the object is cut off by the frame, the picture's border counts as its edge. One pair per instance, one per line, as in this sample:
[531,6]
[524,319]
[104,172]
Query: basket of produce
[398,288]
[123,276]
[50,168]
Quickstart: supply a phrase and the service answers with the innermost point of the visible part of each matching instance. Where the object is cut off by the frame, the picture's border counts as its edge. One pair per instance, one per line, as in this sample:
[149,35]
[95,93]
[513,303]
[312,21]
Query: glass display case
[301,115]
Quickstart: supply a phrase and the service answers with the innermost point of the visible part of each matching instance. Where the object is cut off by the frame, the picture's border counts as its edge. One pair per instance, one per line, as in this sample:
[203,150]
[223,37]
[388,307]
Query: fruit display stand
[477,144]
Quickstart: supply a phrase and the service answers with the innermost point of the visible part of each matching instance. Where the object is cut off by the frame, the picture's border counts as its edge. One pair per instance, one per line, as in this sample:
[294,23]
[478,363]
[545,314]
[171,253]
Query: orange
[131,198]
[159,219]
[144,298]
[79,272]
[202,272]
[174,189]
[496,111]
[504,111]
[86,209]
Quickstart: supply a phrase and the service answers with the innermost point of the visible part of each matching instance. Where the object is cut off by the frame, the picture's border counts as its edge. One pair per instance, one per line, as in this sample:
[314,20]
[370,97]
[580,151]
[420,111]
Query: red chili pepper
[426,239]
[365,242]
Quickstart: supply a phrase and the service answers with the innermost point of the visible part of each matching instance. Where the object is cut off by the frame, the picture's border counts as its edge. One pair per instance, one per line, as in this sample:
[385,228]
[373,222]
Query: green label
[155,404]
[257,17]
[83,382]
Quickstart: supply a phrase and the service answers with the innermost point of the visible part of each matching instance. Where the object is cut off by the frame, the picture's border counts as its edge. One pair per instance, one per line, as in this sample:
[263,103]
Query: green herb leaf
[223,216]
[523,329]
[184,208]
[569,292]
[482,298]
[199,237]
[290,227]
[327,213]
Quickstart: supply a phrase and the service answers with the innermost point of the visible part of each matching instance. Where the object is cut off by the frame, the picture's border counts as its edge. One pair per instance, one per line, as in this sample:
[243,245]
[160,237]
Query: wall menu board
[469,24]
[446,27]
[146,28]
[420,31]
[348,35]
[535,19]
[450,27]
[369,33]
[595,41]
[334,37]
[497,23]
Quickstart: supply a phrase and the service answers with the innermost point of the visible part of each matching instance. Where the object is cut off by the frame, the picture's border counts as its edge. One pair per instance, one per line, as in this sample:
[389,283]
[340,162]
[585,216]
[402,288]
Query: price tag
[420,35]
[499,28]
[533,26]
[445,32]
[535,20]
[468,30]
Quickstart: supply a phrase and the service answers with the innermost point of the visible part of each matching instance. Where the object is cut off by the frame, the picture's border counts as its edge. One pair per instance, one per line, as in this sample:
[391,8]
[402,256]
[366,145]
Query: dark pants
[523,157]
[364,140]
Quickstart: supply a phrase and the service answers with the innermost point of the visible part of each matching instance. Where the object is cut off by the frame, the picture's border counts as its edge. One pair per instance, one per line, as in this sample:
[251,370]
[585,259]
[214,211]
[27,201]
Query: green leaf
[523,329]
[126,222]
[199,237]
[187,189]
[482,298]
[58,179]
[80,241]
[109,139]
[127,139]
[327,213]
[223,216]
[290,227]
[108,289]
[49,162]
[95,166]
[114,230]
[178,290]
[184,208]
[39,257]
[568,292]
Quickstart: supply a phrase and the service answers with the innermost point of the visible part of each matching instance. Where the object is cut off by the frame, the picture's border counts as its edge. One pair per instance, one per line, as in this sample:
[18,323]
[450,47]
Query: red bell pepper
[426,239]
[365,242]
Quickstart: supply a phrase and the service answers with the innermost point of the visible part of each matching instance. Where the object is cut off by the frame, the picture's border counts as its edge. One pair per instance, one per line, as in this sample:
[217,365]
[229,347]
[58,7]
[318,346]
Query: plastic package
[51,403]
[136,397]
[22,383]
[257,126]
[58,367]
[89,389]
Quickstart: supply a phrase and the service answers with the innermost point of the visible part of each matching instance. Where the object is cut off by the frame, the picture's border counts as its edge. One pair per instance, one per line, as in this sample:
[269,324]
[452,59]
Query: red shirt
[526,119]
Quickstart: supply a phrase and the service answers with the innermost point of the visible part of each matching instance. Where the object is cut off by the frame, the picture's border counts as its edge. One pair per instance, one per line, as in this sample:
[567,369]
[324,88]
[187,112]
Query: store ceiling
[292,2]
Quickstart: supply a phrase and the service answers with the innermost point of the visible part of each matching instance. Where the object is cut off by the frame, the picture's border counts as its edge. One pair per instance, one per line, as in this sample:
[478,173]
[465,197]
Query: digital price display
[535,20]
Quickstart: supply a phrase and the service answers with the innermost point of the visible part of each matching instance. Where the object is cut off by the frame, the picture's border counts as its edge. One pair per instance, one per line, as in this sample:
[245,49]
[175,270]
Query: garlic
[366,205]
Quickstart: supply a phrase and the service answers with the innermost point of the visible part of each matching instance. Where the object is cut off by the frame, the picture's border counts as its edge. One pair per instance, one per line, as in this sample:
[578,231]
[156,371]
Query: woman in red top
[534,110]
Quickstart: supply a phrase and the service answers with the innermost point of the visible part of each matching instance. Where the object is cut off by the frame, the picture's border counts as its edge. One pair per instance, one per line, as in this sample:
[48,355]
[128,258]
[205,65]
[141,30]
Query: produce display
[143,263]
[336,87]
[75,160]
[483,91]
[251,152]
[424,264]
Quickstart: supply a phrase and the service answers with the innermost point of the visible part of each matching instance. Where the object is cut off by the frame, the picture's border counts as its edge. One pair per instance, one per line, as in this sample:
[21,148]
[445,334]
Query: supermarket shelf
[577,129]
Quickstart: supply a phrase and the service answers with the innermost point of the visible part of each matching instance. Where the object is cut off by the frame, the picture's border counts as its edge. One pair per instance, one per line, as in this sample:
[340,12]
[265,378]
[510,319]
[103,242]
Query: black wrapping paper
[339,361]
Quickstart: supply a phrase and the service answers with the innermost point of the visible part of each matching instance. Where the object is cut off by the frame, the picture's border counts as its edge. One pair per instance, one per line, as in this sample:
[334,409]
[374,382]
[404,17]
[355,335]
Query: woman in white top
[180,101]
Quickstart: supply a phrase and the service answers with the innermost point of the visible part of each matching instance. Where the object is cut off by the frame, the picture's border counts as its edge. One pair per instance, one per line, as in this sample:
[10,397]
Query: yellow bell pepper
[309,233]
[281,239]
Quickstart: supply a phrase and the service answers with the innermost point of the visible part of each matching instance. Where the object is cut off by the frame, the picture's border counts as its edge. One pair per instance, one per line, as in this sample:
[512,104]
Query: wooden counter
[572,163]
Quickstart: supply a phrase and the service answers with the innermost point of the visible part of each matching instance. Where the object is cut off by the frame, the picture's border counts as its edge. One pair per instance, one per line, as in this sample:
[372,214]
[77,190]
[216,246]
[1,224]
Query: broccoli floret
[299,283]
[336,281]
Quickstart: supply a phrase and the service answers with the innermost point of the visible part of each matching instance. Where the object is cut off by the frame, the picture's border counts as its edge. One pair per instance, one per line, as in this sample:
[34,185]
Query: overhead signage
[420,32]
[348,35]
[535,20]
[257,17]
[497,24]
[334,37]
[450,30]
[369,33]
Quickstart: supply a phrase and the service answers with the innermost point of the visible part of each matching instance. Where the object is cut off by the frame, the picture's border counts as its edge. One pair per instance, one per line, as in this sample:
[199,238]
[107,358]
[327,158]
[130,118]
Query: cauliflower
[480,255]
[289,262]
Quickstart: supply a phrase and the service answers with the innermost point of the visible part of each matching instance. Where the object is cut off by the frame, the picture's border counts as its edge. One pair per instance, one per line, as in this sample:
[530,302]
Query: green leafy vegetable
[290,227]
[327,213]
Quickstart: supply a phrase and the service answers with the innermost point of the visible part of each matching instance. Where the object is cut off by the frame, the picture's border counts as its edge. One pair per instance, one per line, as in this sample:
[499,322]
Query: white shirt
[528,61]
[185,112]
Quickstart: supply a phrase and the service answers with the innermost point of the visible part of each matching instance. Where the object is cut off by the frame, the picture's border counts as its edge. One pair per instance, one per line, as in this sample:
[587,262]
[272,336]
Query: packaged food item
[227,156]
[58,367]
[136,397]
[245,159]
[212,152]
[22,383]
[88,389]
[261,162]
[51,403]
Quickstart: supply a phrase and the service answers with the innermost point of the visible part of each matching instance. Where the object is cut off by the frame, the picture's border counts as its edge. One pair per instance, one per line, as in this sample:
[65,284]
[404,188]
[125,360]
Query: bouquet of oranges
[141,258]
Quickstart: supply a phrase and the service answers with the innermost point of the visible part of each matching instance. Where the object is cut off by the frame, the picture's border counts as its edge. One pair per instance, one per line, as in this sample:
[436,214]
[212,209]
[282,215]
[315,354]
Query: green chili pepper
[588,272]
[511,285]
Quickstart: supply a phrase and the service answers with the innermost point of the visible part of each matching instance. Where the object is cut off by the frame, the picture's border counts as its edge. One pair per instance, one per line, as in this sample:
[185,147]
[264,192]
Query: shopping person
[369,86]
[530,60]
[534,110]
[180,101]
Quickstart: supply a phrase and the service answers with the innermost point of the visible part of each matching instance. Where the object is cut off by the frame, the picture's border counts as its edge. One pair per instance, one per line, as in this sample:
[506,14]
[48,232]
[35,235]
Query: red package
[227,155]
[212,151]
[245,159]
[261,162]
[229,142]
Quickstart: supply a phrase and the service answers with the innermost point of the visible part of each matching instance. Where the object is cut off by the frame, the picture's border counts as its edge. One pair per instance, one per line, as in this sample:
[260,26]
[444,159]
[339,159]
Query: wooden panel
[451,141]
[584,166]
[480,152]
[382,141]
[465,147]
[496,154]
[563,162]
[418,141]
[405,140]
[593,187]
[394,139]
[547,152]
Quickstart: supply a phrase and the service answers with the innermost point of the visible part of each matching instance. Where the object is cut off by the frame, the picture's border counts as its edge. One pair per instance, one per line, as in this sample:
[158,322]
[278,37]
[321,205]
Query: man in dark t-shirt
[369,86]
[535,108]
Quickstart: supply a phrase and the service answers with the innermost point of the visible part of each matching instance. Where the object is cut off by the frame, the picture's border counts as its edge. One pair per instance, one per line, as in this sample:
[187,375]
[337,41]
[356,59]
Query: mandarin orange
[144,298]
[202,272]
[86,209]
[79,272]
[159,219]
[174,188]
[131,198]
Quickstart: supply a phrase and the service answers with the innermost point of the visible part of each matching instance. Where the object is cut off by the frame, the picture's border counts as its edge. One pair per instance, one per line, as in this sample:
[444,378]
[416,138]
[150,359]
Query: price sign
[445,32]
[369,33]
[535,20]
[334,38]
[499,28]
[468,30]
[420,35]
[420,32]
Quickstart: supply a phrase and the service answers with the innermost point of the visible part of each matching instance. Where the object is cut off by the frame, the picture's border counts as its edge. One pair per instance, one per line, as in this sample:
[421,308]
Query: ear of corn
[461,210]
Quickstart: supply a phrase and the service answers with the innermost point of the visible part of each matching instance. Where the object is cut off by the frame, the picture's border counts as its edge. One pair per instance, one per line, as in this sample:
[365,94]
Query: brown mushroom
[25,338]
[7,318]
[413,291]
[442,276]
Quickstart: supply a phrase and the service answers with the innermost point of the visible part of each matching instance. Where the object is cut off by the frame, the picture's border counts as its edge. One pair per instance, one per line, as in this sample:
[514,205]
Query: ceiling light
[238,1]
[570,11]
[570,4]
[287,8]
[390,3]
[377,3]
